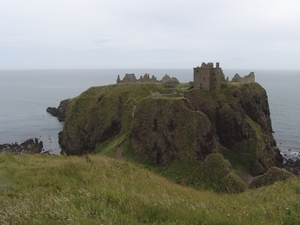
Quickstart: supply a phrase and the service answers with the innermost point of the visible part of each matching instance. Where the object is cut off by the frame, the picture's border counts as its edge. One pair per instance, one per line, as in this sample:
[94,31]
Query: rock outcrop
[30,146]
[233,121]
[292,165]
[240,117]
[60,111]
[273,175]
[216,173]
[164,130]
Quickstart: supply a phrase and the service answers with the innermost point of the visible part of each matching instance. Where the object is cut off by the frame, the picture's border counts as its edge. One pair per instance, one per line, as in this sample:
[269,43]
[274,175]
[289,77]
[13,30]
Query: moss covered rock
[232,184]
[166,129]
[216,173]
[240,117]
[273,175]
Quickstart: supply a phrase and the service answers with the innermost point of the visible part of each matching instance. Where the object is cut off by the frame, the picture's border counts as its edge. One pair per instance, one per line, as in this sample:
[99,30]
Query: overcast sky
[96,34]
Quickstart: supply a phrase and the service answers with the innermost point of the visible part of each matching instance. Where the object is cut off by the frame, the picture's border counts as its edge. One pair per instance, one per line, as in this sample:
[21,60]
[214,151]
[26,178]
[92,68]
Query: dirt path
[119,151]
[247,177]
[182,180]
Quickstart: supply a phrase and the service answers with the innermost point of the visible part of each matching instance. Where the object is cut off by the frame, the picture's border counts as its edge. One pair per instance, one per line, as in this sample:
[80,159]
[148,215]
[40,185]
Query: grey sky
[73,34]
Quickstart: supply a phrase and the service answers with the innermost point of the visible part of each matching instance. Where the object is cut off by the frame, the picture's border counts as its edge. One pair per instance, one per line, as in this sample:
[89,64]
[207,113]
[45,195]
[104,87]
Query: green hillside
[93,189]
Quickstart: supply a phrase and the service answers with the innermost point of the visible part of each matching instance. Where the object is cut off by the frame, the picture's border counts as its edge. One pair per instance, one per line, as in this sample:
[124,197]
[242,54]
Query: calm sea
[25,95]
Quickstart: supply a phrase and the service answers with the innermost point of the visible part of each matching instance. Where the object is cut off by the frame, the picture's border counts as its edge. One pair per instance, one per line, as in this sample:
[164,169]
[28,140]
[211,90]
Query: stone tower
[208,77]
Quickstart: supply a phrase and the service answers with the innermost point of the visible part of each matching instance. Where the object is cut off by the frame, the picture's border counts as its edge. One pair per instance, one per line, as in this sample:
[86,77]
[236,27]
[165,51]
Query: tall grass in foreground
[40,189]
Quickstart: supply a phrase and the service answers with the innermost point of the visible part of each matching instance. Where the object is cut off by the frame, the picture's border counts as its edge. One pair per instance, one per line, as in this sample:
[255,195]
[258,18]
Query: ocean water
[25,95]
[283,93]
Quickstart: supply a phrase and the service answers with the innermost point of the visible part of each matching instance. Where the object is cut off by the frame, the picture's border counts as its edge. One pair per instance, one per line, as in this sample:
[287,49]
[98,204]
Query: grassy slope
[42,189]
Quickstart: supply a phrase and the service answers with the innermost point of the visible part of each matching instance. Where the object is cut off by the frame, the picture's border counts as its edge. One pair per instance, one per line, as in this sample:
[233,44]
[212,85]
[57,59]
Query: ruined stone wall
[236,78]
[130,78]
[244,80]
[146,78]
[249,78]
[202,78]
[216,78]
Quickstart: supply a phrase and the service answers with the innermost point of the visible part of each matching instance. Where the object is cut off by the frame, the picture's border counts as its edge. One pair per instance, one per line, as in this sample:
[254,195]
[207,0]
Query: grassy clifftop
[101,112]
[42,189]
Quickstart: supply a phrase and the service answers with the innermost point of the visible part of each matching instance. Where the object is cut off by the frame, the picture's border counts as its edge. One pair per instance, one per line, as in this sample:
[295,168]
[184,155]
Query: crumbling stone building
[166,80]
[130,78]
[208,77]
[244,80]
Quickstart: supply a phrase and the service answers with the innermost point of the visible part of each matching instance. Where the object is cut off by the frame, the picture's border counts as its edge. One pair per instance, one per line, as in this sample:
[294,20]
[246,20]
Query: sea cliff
[162,125]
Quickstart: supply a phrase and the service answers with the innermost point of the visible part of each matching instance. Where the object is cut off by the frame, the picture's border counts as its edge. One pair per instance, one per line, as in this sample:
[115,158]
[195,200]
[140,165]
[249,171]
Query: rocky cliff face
[241,121]
[234,121]
[60,111]
[164,130]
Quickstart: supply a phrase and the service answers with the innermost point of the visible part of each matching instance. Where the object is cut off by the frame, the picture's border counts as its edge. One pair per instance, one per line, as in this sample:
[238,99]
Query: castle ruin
[130,78]
[244,80]
[208,77]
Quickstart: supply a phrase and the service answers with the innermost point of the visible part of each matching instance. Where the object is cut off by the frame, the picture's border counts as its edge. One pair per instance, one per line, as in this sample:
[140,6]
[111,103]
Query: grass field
[94,189]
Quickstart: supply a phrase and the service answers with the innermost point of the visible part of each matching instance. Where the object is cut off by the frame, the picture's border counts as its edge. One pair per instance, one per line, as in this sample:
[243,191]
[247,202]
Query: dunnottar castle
[206,77]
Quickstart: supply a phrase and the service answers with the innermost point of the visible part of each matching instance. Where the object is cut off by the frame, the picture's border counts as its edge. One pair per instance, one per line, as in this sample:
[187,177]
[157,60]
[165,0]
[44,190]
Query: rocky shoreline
[30,146]
[34,145]
[292,164]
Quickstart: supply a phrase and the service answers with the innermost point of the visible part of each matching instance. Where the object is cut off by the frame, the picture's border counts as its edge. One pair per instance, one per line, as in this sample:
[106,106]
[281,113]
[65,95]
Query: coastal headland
[164,122]
[210,120]
[155,152]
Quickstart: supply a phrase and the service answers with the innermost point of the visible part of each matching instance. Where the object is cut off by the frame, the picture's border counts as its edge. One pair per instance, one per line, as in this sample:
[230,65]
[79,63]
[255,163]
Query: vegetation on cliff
[93,189]
[172,131]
